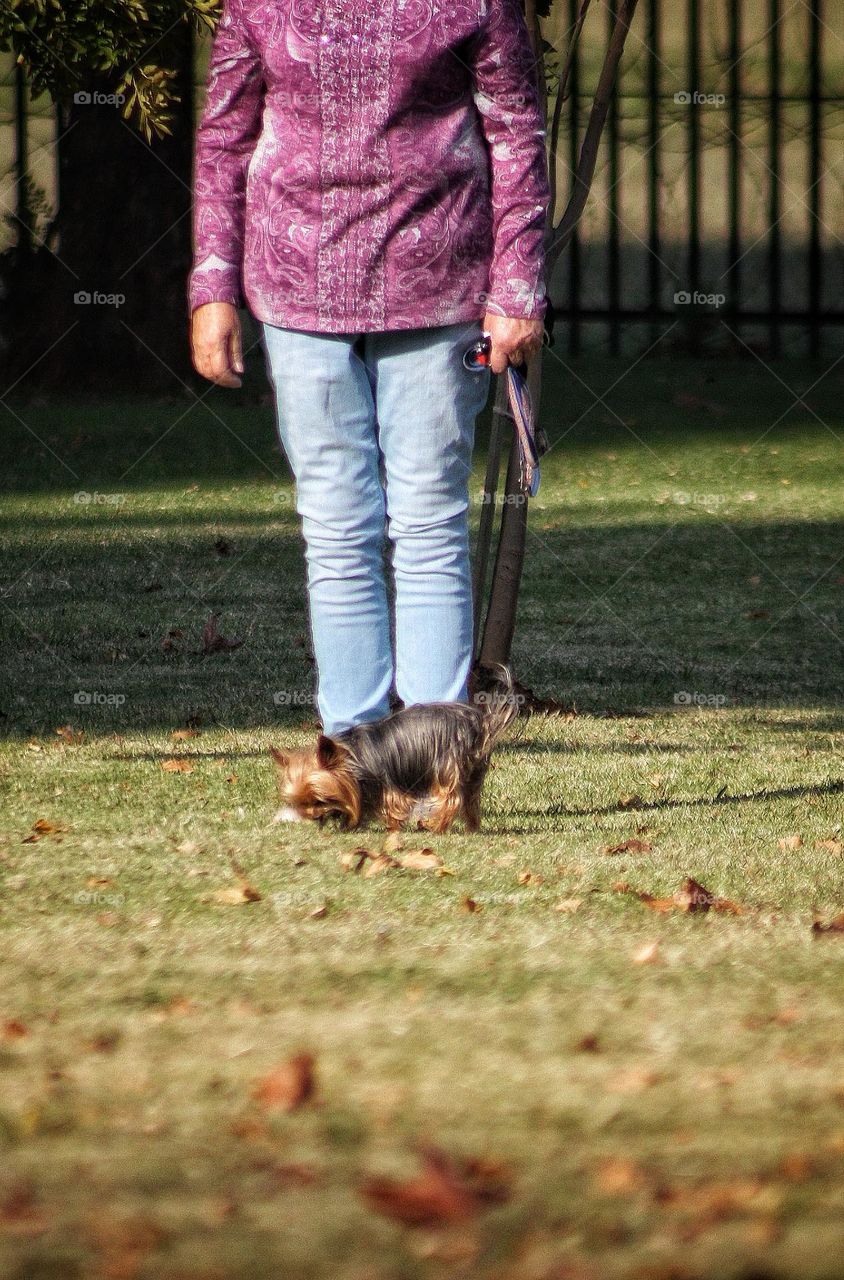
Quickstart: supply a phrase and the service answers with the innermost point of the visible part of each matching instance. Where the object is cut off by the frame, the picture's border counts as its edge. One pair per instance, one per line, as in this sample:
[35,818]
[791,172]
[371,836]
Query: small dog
[425,762]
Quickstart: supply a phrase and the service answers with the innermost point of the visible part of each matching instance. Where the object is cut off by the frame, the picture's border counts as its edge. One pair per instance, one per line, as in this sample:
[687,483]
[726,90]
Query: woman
[371,180]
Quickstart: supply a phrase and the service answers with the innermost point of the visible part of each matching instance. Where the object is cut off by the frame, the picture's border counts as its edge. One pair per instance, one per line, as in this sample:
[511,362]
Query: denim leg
[326,422]
[426,404]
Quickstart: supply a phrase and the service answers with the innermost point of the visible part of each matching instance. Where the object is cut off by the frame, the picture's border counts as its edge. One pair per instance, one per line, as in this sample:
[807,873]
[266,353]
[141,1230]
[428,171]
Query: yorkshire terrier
[425,763]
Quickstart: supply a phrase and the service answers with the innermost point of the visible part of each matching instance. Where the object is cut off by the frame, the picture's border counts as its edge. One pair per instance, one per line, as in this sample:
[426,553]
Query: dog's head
[316,784]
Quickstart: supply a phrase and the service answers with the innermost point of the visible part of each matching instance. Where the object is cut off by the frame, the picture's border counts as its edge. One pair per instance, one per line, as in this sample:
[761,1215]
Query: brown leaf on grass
[377,865]
[470,906]
[104,1042]
[420,860]
[633,845]
[98,882]
[588,1044]
[692,897]
[631,802]
[124,1244]
[835,847]
[68,736]
[619,1176]
[169,642]
[647,954]
[213,641]
[177,766]
[790,842]
[14,1029]
[527,877]
[42,828]
[289,1085]
[835,925]
[319,913]
[633,1080]
[20,1214]
[234,895]
[445,1191]
[353,859]
[568,906]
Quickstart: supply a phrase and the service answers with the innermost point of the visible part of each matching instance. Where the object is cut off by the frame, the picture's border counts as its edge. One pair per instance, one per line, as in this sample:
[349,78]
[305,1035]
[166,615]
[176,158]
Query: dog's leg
[443,807]
[470,802]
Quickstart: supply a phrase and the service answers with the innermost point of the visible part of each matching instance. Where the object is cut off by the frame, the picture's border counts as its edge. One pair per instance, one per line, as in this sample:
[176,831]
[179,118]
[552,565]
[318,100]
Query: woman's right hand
[216,343]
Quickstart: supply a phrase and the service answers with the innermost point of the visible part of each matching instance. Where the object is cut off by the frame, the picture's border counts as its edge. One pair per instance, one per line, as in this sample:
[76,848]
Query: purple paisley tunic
[366,165]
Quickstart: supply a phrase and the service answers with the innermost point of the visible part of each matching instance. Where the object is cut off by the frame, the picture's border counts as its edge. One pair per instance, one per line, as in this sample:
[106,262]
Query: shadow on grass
[563,814]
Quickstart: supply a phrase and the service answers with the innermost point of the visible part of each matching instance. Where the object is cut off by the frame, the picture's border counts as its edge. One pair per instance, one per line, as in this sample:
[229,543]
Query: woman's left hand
[513,340]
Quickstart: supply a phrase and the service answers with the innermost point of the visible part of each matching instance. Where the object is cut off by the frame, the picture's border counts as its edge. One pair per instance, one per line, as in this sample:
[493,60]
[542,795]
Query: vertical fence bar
[693,142]
[613,240]
[815,174]
[574,246]
[734,185]
[654,170]
[774,196]
[22,210]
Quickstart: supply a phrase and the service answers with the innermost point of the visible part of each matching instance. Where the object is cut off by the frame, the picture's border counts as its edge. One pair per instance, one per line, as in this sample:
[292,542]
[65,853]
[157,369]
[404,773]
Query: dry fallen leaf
[648,954]
[354,859]
[234,895]
[445,1191]
[630,802]
[830,846]
[569,905]
[619,1176]
[68,736]
[289,1085]
[177,766]
[43,827]
[14,1029]
[790,842]
[836,925]
[377,865]
[420,860]
[633,1080]
[527,877]
[691,897]
[470,906]
[633,845]
[213,641]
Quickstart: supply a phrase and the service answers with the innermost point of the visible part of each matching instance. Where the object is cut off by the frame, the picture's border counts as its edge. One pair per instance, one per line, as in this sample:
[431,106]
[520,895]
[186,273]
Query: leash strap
[521,408]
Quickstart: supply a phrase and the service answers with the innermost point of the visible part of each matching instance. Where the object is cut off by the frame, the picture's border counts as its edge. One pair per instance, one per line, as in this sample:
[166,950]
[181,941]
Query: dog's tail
[501,706]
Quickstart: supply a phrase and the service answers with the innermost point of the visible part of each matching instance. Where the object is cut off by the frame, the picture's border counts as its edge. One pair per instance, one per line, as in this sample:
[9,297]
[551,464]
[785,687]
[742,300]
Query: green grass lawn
[656,1095]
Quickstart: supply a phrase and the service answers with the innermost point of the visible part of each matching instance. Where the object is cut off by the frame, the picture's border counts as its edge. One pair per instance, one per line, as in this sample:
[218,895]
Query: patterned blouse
[371,164]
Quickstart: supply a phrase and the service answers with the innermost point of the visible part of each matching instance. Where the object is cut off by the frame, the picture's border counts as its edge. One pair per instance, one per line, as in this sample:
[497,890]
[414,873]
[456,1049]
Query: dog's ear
[282,758]
[329,753]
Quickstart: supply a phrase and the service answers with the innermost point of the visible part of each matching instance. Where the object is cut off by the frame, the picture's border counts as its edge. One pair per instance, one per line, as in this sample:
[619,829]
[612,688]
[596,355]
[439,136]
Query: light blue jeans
[378,429]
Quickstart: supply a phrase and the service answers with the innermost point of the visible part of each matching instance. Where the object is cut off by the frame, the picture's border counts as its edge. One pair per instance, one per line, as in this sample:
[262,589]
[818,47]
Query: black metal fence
[717,215]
